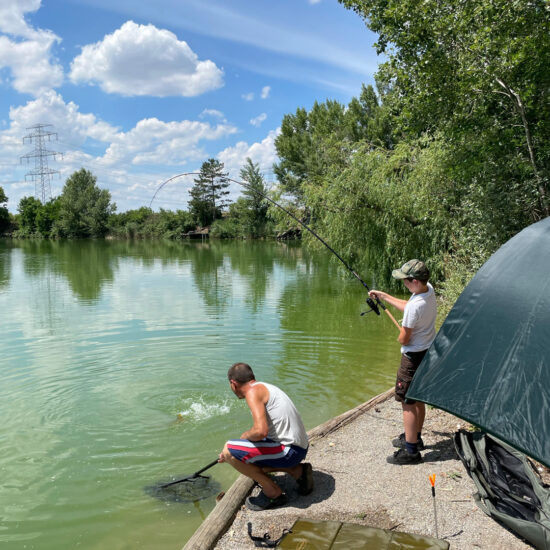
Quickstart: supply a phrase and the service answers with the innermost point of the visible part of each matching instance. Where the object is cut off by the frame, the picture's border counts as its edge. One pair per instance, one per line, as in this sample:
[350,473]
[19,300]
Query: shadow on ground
[323,487]
[442,450]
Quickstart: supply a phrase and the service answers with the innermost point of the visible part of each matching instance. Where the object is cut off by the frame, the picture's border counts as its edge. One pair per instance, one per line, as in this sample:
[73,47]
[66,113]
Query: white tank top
[283,419]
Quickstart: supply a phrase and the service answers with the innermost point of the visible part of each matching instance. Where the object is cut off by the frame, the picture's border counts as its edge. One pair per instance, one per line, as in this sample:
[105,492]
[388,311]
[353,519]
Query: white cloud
[262,153]
[248,97]
[214,113]
[153,141]
[257,121]
[314,1]
[30,65]
[265,92]
[30,60]
[12,18]
[144,60]
[73,126]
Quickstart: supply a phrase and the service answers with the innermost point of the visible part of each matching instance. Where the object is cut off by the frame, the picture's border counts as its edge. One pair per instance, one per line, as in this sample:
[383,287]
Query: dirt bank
[354,483]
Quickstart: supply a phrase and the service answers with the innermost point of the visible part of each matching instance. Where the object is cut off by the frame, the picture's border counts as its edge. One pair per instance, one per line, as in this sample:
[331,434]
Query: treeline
[448,156]
[84,210]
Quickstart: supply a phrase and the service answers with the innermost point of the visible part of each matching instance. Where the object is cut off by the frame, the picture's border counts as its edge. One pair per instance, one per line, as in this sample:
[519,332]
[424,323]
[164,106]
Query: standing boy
[416,336]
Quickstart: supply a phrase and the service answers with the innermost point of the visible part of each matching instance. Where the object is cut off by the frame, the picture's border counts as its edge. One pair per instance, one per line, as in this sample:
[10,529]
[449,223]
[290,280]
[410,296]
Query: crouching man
[276,442]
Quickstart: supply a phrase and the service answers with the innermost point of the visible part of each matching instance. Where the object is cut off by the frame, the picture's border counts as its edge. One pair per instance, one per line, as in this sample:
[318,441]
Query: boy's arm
[392,300]
[404,335]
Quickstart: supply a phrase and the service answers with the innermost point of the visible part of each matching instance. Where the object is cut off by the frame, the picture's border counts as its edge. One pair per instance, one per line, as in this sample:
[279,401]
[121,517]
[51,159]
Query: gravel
[354,483]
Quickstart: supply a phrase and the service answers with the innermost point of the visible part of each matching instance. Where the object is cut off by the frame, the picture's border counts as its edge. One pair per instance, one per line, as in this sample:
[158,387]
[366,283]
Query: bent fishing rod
[373,305]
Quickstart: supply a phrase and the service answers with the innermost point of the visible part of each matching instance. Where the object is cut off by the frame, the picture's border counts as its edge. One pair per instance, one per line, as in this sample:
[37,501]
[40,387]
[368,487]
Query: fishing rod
[169,180]
[373,305]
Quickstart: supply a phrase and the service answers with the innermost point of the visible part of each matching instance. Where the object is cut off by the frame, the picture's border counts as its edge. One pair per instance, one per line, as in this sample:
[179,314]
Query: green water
[104,343]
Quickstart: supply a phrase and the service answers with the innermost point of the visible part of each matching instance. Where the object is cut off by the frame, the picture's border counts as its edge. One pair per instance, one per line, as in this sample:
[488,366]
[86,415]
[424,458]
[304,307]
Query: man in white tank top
[276,442]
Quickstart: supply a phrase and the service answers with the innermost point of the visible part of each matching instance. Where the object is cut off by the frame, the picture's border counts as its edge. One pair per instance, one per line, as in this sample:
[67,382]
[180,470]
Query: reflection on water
[114,374]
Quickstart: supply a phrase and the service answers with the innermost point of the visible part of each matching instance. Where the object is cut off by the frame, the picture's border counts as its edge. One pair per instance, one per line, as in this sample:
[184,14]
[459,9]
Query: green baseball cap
[413,269]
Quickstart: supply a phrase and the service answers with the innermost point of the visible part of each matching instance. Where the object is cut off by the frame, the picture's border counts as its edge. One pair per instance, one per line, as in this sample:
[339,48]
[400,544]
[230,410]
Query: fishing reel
[373,306]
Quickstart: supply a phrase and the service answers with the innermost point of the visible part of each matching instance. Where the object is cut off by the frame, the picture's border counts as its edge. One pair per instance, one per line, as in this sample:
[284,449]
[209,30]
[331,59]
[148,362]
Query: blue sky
[139,91]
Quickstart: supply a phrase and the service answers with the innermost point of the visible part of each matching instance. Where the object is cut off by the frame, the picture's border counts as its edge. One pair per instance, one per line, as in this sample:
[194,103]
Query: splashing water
[200,410]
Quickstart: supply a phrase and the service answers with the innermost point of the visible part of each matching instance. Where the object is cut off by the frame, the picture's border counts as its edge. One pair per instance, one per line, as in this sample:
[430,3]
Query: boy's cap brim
[413,269]
[398,274]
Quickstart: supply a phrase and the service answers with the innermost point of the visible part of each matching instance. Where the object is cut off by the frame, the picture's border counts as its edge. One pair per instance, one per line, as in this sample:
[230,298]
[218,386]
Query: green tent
[490,361]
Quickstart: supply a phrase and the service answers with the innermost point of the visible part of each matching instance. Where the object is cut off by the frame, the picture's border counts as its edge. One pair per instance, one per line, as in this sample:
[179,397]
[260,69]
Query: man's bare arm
[256,399]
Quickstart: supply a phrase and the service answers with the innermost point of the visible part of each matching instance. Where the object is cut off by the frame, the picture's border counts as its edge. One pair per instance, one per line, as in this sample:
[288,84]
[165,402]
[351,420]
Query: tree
[28,209]
[255,203]
[47,215]
[313,142]
[209,194]
[470,69]
[84,208]
[4,214]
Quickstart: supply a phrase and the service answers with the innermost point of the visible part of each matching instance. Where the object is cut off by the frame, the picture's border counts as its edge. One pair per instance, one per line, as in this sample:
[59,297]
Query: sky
[138,92]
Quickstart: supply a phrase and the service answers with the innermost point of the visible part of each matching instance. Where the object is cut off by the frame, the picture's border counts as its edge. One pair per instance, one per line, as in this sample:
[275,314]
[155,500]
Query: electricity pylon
[41,173]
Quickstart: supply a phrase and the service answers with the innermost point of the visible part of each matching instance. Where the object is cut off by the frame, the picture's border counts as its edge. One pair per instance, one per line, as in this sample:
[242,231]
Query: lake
[113,369]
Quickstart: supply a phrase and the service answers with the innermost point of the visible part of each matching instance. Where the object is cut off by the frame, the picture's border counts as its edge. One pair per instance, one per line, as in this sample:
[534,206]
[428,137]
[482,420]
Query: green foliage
[209,194]
[472,69]
[227,228]
[84,208]
[143,223]
[28,209]
[253,213]
[4,214]
[311,143]
[46,217]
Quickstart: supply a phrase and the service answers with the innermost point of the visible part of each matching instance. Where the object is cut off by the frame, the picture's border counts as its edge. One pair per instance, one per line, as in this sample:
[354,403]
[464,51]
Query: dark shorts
[409,363]
[266,453]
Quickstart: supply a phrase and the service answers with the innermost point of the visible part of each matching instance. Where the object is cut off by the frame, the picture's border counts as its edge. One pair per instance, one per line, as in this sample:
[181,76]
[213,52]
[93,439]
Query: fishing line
[373,305]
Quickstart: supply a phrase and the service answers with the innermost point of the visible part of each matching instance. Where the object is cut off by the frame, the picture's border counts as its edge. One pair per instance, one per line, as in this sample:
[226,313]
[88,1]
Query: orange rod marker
[432,482]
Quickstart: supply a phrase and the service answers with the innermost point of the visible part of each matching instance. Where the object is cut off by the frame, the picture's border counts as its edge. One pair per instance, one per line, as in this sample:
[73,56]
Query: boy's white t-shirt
[419,315]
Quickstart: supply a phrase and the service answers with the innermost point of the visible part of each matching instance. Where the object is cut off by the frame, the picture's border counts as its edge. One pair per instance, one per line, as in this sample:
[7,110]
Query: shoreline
[355,484]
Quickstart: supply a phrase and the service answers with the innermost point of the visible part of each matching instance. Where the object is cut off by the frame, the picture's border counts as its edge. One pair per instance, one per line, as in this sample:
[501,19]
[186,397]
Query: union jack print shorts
[266,453]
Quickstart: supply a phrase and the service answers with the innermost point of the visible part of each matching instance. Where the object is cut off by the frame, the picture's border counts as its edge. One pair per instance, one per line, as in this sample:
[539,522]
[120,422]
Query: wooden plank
[215,525]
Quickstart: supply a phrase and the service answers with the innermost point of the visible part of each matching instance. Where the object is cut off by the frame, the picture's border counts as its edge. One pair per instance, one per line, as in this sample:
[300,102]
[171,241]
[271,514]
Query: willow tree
[477,71]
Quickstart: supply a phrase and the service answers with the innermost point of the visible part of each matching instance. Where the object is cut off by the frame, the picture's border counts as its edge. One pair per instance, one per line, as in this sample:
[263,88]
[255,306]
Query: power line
[41,173]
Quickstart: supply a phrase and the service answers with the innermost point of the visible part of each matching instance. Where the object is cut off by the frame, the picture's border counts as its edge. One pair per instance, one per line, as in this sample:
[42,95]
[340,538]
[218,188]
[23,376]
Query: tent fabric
[489,363]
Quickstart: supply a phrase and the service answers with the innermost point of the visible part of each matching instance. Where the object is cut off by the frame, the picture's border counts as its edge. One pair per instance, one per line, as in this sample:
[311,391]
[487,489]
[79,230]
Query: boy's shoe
[401,456]
[399,442]
[305,481]
[263,502]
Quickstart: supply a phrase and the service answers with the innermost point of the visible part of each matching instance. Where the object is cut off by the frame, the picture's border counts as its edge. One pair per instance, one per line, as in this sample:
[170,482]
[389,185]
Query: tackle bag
[508,490]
